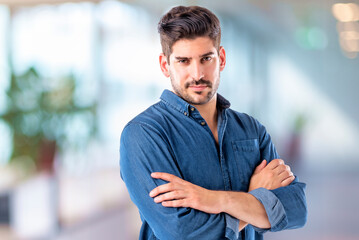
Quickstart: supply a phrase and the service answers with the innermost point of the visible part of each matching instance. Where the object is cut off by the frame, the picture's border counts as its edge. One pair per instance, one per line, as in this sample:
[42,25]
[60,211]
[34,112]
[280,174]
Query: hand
[274,175]
[180,193]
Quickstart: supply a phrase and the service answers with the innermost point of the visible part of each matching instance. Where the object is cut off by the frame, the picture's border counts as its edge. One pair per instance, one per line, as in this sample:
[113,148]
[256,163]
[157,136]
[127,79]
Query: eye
[182,61]
[206,59]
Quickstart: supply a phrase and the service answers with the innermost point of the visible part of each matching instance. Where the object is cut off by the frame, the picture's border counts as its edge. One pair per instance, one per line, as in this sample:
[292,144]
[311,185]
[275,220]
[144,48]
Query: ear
[164,65]
[222,58]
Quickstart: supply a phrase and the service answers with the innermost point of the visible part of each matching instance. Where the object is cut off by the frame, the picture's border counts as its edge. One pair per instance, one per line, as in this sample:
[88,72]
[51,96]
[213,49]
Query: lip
[198,87]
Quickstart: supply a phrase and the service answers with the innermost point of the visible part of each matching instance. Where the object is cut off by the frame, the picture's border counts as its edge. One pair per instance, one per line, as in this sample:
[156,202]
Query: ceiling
[282,14]
[293,22]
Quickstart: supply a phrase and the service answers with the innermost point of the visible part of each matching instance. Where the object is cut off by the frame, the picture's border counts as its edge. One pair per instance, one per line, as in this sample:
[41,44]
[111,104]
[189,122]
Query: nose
[196,70]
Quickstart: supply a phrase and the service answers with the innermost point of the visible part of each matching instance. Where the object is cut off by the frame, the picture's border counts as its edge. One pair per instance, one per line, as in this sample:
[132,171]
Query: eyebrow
[207,54]
[187,58]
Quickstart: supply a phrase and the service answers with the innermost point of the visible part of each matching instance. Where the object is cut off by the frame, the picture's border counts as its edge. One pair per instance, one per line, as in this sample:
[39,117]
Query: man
[195,168]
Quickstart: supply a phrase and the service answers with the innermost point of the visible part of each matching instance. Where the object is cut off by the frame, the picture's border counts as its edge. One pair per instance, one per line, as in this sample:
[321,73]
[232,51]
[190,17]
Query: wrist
[235,200]
[222,200]
[251,188]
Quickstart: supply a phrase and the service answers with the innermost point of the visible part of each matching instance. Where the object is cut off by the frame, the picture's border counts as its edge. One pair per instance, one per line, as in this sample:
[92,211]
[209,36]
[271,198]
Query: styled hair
[188,23]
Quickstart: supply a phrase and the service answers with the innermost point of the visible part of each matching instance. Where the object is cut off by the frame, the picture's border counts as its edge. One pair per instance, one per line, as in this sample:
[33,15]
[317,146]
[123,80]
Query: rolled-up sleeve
[143,151]
[286,207]
[232,224]
[273,207]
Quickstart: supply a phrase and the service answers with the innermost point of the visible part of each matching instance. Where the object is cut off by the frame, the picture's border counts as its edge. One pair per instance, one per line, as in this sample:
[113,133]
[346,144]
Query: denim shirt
[172,137]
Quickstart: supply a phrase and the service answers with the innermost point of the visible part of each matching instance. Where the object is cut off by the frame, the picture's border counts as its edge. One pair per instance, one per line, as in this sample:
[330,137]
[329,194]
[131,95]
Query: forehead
[192,47]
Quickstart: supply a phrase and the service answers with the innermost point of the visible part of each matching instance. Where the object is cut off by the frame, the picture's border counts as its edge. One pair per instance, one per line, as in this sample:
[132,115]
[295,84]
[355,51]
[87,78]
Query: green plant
[40,113]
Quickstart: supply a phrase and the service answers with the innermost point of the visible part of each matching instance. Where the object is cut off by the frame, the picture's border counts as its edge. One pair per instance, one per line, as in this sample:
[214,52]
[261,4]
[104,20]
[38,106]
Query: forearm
[245,207]
[140,154]
[242,225]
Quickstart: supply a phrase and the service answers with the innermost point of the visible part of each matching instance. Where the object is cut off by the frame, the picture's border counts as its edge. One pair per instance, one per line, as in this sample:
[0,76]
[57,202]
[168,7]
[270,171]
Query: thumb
[260,166]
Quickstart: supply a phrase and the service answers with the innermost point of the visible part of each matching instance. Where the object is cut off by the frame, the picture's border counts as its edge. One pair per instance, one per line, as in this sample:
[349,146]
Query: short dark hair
[188,23]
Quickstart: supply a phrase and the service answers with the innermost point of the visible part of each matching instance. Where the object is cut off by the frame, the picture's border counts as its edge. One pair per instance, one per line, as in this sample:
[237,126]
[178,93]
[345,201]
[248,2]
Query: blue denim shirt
[171,136]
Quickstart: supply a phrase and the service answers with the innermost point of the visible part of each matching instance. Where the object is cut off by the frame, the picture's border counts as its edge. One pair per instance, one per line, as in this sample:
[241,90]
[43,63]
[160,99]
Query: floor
[333,210]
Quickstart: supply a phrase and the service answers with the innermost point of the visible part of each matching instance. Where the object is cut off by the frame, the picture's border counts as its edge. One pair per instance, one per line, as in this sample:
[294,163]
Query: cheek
[176,78]
[213,69]
[180,74]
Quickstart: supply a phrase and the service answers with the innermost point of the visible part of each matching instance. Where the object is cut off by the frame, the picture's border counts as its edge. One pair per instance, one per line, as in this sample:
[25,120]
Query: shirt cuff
[232,227]
[274,209]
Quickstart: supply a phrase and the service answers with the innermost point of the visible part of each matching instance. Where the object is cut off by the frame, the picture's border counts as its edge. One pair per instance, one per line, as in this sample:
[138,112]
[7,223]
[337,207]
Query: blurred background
[73,73]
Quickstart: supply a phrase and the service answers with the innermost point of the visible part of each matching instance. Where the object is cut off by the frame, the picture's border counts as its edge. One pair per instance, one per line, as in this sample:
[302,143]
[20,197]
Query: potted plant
[40,113]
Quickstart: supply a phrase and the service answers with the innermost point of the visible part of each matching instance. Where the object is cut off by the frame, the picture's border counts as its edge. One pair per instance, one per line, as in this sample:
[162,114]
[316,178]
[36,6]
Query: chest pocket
[247,157]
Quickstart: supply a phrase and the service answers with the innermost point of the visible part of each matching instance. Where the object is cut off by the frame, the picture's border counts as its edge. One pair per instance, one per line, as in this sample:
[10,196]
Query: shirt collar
[181,105]
[222,103]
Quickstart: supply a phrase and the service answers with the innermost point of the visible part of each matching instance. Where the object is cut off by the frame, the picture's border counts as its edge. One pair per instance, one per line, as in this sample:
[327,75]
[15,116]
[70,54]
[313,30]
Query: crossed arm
[285,206]
[244,206]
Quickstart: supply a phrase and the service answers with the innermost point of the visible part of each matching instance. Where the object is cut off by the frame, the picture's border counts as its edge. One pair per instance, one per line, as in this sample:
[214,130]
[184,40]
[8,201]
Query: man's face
[194,69]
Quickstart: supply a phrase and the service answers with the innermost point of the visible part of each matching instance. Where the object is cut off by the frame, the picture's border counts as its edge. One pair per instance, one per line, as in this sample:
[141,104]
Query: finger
[283,176]
[170,196]
[274,163]
[162,189]
[164,176]
[175,203]
[260,166]
[287,181]
[281,168]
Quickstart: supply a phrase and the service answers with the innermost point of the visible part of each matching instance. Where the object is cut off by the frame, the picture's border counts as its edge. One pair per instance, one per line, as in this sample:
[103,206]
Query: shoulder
[150,121]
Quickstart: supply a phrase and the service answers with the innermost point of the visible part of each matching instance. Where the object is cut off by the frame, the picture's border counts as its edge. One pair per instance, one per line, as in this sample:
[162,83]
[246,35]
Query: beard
[195,98]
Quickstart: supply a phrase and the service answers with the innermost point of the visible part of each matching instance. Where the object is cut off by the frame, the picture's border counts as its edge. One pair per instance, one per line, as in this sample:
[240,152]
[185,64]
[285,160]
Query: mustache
[198,82]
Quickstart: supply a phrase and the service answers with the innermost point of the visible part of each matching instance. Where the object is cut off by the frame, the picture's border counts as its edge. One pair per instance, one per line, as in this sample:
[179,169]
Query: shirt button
[185,113]
[203,123]
[192,109]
